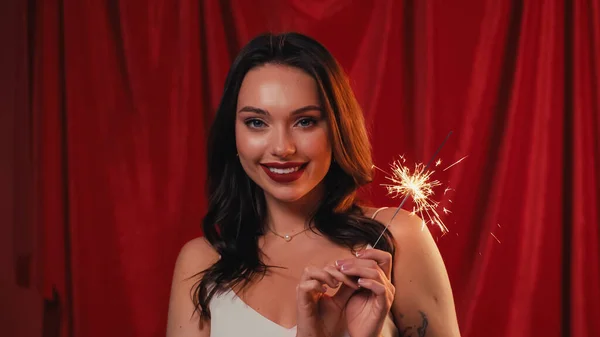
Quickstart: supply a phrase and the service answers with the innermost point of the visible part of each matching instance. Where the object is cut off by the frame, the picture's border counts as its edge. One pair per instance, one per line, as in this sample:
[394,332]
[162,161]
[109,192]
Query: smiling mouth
[284,174]
[285,170]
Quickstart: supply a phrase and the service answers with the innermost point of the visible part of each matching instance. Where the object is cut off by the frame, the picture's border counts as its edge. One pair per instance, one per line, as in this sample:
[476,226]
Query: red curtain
[123,92]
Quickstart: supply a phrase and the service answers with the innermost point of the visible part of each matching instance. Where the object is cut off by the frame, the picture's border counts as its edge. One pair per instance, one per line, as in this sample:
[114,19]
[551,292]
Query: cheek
[316,146]
[249,144]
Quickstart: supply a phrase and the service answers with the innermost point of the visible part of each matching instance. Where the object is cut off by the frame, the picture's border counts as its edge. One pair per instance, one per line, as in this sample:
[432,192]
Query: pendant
[287,238]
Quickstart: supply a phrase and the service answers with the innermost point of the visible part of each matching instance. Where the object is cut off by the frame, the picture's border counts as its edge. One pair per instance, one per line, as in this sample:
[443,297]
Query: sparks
[495,237]
[456,162]
[419,185]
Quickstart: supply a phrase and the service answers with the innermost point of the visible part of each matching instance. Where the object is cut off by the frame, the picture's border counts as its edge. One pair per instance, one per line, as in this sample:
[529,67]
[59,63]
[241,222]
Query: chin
[287,194]
[299,193]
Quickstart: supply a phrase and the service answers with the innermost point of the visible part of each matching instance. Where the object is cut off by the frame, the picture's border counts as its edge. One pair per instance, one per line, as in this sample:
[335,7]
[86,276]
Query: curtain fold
[585,168]
[123,93]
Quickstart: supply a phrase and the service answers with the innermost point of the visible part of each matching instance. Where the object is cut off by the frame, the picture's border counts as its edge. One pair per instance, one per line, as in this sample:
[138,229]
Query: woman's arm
[423,303]
[194,257]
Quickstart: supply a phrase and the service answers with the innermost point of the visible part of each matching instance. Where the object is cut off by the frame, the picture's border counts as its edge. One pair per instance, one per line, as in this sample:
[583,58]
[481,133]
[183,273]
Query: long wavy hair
[236,205]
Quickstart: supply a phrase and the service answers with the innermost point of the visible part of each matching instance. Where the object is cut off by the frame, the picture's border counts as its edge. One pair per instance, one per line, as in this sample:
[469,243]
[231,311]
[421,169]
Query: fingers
[319,274]
[376,287]
[372,267]
[371,258]
[373,279]
[361,262]
[383,258]
[358,270]
[311,286]
[345,279]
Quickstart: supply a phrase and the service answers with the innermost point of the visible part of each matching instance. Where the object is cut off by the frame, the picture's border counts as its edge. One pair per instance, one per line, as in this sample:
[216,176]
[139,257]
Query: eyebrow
[295,112]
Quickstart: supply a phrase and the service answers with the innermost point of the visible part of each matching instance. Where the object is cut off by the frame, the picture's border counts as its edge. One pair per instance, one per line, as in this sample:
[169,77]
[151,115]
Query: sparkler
[418,185]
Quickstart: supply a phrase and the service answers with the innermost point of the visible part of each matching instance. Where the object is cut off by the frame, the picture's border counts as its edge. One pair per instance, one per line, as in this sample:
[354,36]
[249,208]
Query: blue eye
[255,123]
[306,122]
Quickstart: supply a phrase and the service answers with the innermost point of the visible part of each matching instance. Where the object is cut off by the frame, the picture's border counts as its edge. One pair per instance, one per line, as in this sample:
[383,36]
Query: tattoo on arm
[424,323]
[415,330]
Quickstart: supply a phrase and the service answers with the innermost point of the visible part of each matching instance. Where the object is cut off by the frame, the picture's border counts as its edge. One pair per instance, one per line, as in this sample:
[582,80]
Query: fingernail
[360,281]
[358,254]
[339,264]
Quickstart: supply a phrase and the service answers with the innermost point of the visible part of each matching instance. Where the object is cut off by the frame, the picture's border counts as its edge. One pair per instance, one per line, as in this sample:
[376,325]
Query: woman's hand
[319,315]
[367,309]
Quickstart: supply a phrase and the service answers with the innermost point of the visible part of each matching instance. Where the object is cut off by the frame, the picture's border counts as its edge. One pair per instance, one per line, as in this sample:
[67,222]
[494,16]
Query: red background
[105,106]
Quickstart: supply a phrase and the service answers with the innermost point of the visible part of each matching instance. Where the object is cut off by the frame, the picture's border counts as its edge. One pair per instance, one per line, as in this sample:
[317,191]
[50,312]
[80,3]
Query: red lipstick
[282,174]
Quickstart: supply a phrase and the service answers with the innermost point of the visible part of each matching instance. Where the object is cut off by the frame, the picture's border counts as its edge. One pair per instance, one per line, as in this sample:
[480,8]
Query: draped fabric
[122,93]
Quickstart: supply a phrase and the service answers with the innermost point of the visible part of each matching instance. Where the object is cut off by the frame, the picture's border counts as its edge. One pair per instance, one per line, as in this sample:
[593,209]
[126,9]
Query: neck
[288,218]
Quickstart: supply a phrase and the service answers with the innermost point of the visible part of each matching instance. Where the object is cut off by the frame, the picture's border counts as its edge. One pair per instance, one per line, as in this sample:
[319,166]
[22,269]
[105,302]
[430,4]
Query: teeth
[284,171]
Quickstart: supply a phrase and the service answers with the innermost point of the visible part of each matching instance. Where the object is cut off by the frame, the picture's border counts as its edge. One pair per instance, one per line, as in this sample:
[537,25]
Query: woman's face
[281,132]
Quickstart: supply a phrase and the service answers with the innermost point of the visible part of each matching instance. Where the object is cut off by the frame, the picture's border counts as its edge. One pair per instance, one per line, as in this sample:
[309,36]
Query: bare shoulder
[198,251]
[424,301]
[194,257]
[405,226]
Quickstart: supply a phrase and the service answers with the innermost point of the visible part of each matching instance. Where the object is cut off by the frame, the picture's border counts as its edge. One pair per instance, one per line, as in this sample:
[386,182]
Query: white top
[230,316]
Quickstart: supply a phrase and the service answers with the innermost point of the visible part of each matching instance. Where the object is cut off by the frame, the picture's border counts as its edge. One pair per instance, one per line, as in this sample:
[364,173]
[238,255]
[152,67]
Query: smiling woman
[284,248]
[283,139]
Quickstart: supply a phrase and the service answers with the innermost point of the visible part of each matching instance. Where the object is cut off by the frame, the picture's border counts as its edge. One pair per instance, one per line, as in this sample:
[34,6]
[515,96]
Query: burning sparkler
[418,185]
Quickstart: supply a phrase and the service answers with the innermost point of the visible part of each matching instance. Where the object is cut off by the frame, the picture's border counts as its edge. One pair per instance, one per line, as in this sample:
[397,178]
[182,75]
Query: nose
[283,144]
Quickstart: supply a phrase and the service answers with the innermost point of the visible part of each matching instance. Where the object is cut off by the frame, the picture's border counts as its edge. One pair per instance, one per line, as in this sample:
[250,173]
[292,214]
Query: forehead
[278,86]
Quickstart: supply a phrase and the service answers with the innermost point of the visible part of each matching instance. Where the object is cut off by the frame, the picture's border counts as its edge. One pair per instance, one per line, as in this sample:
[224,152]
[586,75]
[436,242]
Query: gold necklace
[288,237]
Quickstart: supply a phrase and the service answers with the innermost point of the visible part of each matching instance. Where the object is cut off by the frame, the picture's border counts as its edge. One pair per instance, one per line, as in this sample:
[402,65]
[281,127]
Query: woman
[285,251]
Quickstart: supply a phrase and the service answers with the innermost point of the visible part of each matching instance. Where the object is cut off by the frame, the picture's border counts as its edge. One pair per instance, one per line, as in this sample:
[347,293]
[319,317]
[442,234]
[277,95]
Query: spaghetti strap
[377,211]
